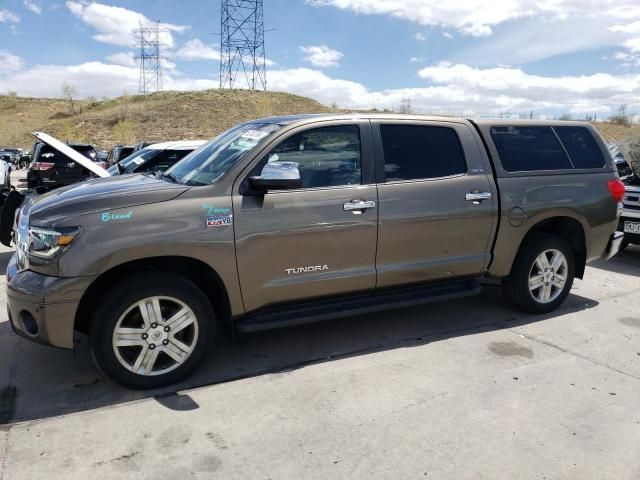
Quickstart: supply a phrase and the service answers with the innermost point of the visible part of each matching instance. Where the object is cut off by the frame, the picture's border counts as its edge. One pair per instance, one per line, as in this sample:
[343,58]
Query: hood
[102,194]
[72,154]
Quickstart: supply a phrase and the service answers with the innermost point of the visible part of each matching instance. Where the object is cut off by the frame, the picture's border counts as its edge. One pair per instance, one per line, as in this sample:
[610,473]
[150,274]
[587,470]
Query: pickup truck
[287,220]
[630,220]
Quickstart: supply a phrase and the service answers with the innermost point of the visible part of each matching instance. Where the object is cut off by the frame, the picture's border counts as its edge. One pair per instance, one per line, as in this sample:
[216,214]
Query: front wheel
[542,274]
[151,330]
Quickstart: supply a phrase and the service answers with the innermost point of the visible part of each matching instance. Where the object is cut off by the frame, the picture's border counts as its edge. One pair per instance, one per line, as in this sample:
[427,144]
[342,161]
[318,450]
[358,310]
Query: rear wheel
[542,275]
[151,331]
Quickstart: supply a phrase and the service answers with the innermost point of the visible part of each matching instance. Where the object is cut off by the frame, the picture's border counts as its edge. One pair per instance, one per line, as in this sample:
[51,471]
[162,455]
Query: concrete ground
[467,389]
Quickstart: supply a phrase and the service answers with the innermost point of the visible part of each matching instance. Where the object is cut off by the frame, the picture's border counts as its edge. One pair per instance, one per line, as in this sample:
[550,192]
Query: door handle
[358,206]
[477,197]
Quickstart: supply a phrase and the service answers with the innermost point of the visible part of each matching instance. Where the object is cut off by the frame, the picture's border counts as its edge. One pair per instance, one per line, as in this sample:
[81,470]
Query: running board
[328,309]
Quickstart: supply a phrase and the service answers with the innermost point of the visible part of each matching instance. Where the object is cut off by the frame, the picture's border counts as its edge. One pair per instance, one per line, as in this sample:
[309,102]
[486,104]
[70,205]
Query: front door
[436,203]
[314,241]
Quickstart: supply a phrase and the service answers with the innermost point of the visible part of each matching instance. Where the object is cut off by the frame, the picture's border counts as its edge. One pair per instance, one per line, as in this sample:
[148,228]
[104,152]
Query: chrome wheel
[155,336]
[548,276]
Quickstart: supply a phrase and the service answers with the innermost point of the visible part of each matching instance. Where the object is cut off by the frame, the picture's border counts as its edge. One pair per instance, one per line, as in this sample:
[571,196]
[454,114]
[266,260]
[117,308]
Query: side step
[328,309]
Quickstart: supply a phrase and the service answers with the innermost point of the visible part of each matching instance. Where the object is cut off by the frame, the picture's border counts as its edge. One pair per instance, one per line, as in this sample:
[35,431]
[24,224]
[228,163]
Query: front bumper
[43,308]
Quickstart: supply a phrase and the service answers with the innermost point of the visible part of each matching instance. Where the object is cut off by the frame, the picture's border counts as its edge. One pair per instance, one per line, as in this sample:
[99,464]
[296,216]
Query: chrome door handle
[477,197]
[358,206]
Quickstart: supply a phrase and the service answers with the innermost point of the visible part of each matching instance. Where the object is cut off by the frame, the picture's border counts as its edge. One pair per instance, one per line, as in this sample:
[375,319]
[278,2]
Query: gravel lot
[466,389]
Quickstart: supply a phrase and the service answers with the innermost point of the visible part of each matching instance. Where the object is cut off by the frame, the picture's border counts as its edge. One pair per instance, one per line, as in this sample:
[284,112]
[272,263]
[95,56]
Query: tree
[68,92]
[622,117]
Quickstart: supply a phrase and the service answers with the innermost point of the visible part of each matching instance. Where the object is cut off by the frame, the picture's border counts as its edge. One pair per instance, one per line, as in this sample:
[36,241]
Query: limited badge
[219,221]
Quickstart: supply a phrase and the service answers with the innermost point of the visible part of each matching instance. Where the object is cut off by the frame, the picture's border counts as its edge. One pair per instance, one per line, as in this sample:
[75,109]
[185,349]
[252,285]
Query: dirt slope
[166,115]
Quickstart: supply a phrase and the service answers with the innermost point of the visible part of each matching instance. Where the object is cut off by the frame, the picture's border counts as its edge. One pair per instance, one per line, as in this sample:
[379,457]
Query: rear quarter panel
[528,198]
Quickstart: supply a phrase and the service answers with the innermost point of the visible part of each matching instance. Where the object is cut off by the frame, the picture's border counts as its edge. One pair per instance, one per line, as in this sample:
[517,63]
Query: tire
[624,245]
[528,267]
[170,362]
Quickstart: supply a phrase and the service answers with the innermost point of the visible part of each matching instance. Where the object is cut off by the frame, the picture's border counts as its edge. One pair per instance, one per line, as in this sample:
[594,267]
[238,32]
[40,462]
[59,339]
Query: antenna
[149,56]
[242,44]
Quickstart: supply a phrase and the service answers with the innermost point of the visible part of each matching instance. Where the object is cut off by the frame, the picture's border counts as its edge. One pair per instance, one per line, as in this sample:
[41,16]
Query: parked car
[5,172]
[630,220]
[288,220]
[156,157]
[118,153]
[25,160]
[51,169]
[12,153]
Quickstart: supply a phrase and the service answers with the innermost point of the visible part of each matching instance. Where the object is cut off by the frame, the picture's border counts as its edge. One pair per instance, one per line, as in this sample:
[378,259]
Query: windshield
[214,159]
[134,160]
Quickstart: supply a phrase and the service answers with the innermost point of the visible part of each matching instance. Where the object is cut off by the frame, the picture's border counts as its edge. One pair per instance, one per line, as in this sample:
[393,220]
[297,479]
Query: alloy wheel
[155,335]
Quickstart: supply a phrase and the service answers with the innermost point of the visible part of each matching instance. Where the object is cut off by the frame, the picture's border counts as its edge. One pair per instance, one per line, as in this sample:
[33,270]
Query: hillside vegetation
[164,116]
[128,119]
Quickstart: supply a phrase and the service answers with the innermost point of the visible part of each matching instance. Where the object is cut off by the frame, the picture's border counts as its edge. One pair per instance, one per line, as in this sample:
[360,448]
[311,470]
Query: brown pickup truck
[287,220]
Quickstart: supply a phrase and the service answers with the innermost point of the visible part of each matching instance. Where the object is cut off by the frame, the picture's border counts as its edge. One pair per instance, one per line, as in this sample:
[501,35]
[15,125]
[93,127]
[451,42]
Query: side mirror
[277,176]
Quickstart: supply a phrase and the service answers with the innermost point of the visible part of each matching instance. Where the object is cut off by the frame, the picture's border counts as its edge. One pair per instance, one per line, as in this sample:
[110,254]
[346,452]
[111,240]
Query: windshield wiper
[170,176]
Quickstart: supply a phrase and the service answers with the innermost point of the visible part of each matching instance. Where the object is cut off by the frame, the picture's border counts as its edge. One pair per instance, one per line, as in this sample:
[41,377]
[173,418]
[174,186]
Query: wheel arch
[202,274]
[569,229]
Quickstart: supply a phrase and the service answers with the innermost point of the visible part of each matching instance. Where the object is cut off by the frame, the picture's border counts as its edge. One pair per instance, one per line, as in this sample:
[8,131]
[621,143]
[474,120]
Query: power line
[150,59]
[242,43]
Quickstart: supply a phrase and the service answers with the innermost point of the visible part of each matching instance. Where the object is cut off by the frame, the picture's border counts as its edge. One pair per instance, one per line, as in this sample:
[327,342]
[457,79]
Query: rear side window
[581,147]
[524,149]
[413,152]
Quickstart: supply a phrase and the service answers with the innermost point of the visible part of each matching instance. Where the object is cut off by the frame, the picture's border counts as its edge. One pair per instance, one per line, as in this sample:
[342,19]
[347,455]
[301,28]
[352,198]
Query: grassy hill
[165,115]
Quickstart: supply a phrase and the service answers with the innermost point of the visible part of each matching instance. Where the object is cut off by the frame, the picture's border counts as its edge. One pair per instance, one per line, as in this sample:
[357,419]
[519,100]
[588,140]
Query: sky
[540,57]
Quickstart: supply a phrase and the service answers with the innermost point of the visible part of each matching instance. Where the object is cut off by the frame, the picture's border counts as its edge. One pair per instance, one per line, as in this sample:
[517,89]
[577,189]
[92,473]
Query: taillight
[41,165]
[616,188]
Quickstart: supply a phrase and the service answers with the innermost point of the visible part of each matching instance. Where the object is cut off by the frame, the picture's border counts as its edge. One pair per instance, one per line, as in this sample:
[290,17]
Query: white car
[5,174]
[155,158]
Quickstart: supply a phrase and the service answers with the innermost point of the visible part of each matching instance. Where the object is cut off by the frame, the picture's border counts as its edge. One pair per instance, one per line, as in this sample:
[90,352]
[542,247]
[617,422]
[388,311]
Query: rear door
[310,242]
[436,202]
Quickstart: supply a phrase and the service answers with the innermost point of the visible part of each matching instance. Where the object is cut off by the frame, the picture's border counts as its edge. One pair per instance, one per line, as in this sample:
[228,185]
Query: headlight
[45,243]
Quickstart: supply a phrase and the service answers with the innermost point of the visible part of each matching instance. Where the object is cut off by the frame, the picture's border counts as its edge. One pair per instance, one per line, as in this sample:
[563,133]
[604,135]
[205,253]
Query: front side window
[525,149]
[415,152]
[210,162]
[326,157]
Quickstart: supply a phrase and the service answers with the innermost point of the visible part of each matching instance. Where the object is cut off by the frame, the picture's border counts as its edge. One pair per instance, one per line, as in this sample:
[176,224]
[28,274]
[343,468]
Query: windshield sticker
[254,135]
[212,210]
[108,216]
[219,220]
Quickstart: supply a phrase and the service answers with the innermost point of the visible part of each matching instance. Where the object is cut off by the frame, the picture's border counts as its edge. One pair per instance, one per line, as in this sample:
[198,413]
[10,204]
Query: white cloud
[196,50]
[125,59]
[447,35]
[513,88]
[90,79]
[10,62]
[116,25]
[33,6]
[322,56]
[416,60]
[6,16]
[420,37]
[550,27]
